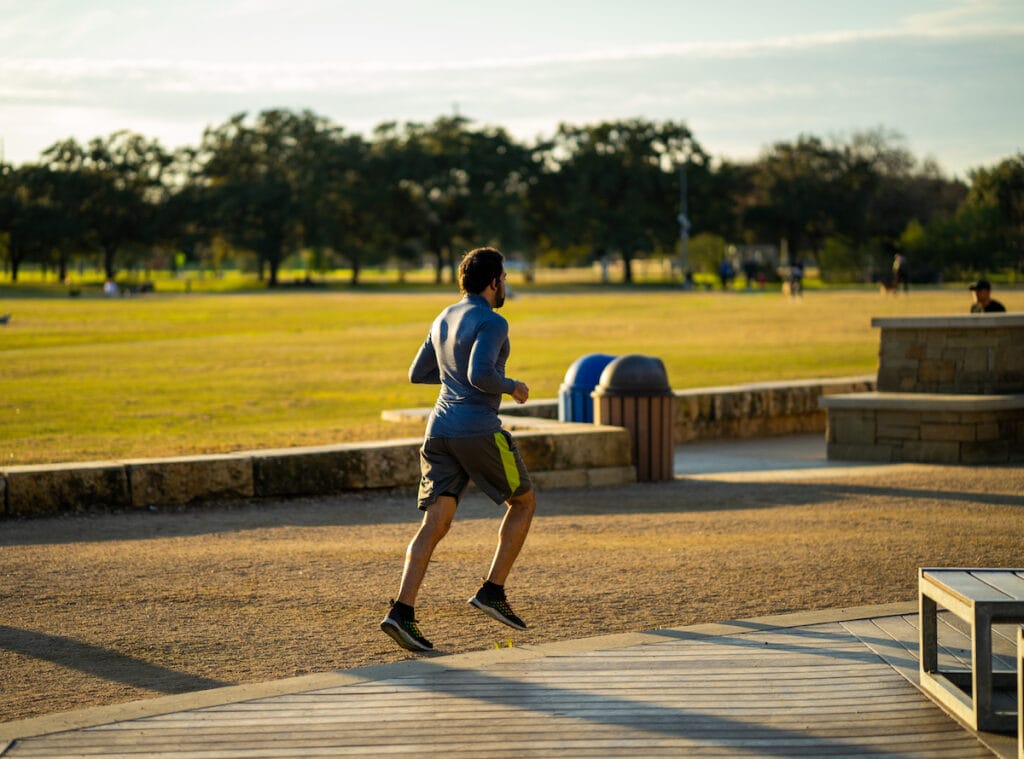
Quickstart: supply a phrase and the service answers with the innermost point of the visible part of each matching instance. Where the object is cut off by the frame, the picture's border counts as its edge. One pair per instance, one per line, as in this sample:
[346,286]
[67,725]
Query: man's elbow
[425,378]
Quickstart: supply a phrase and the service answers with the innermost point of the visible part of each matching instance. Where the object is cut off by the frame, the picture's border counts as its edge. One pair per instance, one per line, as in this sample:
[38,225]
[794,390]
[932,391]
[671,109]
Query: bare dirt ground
[100,609]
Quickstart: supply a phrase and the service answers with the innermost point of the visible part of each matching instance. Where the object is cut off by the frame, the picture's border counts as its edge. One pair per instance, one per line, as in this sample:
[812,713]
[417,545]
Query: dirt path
[110,608]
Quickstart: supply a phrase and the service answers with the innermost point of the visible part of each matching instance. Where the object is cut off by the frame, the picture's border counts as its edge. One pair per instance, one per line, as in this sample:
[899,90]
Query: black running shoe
[405,631]
[493,603]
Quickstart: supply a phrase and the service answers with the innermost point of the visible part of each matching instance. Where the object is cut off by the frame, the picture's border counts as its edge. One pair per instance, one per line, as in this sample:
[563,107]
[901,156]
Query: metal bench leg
[929,635]
[981,664]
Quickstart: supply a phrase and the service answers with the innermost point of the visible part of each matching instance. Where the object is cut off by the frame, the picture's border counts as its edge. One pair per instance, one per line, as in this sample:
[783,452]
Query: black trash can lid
[634,375]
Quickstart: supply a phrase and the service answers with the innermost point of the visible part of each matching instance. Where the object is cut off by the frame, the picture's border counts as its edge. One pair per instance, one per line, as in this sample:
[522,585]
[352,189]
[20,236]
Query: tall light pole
[684,223]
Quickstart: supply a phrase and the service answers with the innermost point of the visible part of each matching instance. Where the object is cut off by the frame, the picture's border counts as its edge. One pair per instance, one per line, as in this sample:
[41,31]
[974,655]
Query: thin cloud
[22,77]
[962,15]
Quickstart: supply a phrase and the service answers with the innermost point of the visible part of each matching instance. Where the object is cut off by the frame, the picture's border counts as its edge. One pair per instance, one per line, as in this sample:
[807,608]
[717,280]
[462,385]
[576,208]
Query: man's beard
[499,297]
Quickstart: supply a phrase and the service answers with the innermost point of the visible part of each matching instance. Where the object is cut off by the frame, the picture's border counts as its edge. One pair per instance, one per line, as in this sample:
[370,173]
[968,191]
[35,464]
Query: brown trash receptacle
[634,393]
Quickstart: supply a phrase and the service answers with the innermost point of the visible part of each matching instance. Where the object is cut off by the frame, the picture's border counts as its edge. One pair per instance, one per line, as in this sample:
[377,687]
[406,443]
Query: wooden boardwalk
[818,684]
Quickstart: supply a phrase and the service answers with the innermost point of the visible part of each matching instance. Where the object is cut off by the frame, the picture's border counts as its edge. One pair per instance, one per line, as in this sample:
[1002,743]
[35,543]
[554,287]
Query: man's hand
[522,393]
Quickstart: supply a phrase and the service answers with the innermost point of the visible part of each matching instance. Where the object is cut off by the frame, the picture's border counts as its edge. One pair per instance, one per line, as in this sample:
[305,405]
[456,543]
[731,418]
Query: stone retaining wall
[946,429]
[761,409]
[758,409]
[964,354]
[558,455]
[950,390]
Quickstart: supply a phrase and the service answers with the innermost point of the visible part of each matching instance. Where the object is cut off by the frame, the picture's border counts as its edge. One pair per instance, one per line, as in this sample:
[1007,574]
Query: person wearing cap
[983,302]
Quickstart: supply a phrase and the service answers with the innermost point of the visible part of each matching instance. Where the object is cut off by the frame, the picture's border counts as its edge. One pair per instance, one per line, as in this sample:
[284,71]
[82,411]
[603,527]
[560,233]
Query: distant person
[726,273]
[900,274]
[983,302]
[465,352]
[750,268]
[796,279]
[110,288]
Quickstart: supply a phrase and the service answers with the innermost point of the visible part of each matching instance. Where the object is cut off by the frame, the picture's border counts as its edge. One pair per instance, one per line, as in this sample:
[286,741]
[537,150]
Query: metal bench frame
[979,597]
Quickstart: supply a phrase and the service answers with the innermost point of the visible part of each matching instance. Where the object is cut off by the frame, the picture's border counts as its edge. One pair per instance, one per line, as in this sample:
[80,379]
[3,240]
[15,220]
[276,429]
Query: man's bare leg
[490,599]
[512,535]
[436,521]
[400,623]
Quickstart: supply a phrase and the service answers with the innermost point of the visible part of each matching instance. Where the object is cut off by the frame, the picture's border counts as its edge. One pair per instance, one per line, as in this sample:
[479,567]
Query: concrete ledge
[163,482]
[325,470]
[951,321]
[923,401]
[49,489]
[558,455]
[535,410]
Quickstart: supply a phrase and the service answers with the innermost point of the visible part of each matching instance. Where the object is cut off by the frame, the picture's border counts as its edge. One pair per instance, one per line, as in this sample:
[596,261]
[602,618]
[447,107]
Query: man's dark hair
[479,268]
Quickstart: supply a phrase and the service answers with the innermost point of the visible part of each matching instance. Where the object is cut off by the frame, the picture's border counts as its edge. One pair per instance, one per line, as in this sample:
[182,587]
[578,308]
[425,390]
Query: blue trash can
[574,401]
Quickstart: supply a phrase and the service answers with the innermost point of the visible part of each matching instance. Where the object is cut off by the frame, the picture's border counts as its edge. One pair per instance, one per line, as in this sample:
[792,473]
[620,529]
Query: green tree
[618,185]
[122,178]
[1000,191]
[707,251]
[254,172]
[796,190]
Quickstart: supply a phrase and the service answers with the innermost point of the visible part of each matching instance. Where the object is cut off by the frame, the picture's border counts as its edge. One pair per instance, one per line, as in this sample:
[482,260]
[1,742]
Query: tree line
[286,183]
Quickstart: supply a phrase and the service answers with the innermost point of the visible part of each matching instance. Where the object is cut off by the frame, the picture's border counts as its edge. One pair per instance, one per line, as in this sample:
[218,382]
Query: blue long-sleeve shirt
[465,352]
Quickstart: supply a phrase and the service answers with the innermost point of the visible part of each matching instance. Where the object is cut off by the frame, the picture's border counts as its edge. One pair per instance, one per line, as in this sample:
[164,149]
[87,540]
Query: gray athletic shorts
[492,462]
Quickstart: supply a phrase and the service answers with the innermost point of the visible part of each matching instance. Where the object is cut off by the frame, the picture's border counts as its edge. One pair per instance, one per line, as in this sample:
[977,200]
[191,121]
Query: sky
[944,77]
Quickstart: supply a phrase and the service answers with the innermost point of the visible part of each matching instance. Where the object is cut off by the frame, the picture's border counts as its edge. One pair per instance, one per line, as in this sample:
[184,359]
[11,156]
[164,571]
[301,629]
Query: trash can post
[634,393]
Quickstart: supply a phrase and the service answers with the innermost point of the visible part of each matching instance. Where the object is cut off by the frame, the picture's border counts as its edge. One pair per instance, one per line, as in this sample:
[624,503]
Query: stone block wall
[964,354]
[762,409]
[758,409]
[558,455]
[892,427]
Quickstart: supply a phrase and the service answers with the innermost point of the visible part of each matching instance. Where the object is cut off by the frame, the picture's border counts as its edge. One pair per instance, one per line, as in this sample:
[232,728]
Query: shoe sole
[493,613]
[402,638]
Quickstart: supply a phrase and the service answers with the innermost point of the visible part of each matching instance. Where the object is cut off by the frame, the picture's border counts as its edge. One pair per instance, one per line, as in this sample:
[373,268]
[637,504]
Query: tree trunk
[109,252]
[453,266]
[439,268]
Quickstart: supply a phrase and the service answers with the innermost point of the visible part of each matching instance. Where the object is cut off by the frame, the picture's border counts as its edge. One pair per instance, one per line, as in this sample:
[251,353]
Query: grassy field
[164,374]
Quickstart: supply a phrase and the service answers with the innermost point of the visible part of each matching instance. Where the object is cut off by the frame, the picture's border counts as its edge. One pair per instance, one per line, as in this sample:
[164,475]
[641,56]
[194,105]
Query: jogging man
[465,353]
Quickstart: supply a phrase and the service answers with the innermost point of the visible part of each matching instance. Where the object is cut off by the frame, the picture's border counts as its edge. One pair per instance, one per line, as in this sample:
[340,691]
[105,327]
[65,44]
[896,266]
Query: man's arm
[424,369]
[483,370]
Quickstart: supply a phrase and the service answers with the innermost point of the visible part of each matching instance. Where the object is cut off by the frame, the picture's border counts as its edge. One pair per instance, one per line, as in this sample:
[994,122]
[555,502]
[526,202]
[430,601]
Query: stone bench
[925,427]
[950,390]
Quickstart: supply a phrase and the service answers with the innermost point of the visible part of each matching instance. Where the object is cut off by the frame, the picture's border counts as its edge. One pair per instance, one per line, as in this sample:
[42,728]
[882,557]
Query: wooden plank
[1005,582]
[966,584]
[815,691]
[638,411]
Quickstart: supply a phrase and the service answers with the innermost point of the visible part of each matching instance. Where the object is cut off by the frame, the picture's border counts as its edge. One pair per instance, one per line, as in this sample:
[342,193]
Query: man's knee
[437,519]
[524,502]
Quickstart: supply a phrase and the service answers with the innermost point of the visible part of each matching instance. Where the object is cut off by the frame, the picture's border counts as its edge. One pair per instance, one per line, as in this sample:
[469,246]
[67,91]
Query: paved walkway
[836,683]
